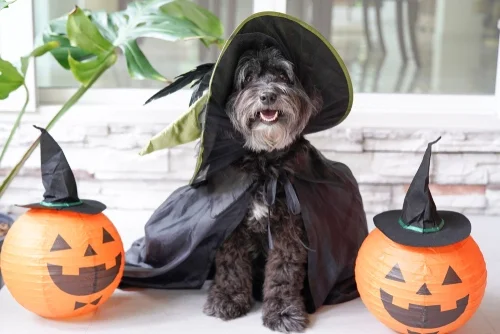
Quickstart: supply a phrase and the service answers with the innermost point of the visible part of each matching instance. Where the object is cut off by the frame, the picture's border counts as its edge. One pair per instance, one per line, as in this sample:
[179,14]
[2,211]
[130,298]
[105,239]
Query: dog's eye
[284,77]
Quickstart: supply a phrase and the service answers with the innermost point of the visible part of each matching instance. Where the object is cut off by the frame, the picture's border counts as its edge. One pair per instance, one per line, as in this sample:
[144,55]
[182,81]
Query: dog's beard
[269,106]
[270,127]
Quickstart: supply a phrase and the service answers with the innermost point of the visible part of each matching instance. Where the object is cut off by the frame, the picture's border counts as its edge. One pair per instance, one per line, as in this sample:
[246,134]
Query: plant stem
[72,100]
[16,123]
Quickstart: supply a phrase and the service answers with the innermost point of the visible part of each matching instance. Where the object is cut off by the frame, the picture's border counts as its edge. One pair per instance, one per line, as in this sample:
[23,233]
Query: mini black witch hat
[59,182]
[419,223]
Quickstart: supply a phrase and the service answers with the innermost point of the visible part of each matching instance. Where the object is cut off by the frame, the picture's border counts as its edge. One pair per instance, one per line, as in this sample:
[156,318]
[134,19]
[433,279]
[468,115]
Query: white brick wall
[465,173]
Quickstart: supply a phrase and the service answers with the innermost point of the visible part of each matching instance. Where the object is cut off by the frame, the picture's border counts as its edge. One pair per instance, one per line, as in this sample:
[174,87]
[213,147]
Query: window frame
[369,103]
[12,46]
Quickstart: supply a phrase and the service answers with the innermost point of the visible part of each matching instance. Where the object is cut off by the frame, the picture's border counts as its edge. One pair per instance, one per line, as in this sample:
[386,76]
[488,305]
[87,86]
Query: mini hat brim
[88,206]
[456,228]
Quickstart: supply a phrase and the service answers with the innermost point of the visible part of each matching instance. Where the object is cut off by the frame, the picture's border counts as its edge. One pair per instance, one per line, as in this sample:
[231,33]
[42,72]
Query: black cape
[184,233]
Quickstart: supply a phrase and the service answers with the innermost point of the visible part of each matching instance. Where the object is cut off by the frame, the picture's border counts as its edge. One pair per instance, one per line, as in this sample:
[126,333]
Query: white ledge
[180,311]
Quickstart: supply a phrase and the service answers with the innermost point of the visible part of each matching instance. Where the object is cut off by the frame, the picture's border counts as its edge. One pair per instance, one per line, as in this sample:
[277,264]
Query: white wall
[102,147]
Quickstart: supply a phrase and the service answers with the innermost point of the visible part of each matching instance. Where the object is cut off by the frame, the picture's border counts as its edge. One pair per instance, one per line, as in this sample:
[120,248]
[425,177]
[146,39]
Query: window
[429,55]
[168,58]
[13,46]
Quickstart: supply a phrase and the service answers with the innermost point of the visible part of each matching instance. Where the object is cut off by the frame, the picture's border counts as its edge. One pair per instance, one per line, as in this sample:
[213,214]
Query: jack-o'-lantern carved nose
[424,291]
[90,251]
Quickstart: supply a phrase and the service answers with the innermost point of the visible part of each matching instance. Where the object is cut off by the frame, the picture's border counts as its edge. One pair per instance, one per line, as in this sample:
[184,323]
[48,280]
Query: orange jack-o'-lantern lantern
[420,271]
[63,257]
[60,263]
[420,290]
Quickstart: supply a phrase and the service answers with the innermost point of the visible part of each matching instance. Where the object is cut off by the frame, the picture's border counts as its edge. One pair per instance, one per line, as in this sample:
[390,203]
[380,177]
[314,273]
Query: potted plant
[89,43]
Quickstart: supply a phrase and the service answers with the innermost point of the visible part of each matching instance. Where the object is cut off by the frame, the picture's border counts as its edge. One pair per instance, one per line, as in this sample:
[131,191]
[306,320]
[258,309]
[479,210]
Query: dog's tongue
[268,115]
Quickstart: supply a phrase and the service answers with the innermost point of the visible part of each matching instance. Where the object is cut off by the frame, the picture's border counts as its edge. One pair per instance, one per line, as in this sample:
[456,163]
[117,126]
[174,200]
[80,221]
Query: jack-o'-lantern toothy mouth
[412,332]
[80,304]
[420,316]
[90,280]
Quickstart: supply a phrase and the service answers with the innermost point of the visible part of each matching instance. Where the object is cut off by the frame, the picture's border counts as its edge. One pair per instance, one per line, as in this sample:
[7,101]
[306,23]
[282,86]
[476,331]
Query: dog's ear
[317,100]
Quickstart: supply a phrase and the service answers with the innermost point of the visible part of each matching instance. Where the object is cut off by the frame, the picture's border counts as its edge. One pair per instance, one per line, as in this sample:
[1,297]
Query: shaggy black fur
[245,266]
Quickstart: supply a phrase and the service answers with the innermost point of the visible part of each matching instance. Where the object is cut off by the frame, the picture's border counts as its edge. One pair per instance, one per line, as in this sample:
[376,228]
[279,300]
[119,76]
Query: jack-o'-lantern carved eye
[395,274]
[59,244]
[451,277]
[106,236]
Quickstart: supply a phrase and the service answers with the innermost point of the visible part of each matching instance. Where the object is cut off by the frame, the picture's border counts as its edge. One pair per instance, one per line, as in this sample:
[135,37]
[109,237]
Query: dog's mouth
[269,116]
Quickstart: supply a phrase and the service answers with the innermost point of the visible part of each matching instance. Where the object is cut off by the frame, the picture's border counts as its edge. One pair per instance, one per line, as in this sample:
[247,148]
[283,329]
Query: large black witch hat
[59,182]
[317,65]
[419,223]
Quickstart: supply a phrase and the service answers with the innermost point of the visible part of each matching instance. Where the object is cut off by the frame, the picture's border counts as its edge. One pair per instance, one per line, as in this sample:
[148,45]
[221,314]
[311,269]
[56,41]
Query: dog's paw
[292,318]
[225,306]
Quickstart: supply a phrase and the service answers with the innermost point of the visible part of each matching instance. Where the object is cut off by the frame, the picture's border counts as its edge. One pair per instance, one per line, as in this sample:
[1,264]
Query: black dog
[270,108]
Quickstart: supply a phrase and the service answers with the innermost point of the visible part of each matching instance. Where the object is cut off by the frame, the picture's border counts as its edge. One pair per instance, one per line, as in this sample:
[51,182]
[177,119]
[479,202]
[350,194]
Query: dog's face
[269,106]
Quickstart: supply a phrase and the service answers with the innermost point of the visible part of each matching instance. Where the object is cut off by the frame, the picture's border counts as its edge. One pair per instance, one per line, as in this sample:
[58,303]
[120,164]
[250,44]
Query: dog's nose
[268,98]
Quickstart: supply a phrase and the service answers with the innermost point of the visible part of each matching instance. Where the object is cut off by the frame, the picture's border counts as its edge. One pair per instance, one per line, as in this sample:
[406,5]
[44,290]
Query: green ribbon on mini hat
[421,229]
[60,205]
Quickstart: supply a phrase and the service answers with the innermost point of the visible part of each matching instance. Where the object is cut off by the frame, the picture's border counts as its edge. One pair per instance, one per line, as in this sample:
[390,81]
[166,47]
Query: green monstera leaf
[205,21]
[88,44]
[12,77]
[56,32]
[89,40]
[5,4]
[12,74]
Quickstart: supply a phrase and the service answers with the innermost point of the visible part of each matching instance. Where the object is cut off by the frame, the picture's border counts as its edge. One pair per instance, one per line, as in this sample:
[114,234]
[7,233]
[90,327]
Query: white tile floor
[180,311]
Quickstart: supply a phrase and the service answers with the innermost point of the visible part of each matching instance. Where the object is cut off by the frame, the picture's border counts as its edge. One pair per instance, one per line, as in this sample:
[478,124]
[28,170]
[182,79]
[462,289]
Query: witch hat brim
[419,223]
[317,64]
[86,206]
[59,182]
[456,228]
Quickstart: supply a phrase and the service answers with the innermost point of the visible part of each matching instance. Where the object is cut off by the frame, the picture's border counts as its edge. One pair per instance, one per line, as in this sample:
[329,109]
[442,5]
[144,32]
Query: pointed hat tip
[39,128]
[435,141]
[43,131]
